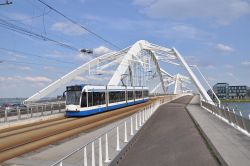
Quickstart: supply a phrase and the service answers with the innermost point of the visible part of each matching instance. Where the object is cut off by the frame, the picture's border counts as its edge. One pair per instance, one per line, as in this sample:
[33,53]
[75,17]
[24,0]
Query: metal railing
[104,148]
[229,115]
[32,110]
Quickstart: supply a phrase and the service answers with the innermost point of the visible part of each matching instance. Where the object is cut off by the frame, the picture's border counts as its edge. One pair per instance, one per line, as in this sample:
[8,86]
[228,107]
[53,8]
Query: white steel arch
[142,54]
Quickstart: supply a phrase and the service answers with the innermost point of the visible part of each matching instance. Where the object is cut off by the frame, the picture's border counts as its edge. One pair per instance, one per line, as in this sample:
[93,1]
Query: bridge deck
[170,138]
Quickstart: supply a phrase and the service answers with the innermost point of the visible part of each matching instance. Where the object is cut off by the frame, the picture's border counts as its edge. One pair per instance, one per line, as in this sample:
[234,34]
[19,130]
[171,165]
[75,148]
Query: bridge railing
[229,115]
[105,147]
[31,110]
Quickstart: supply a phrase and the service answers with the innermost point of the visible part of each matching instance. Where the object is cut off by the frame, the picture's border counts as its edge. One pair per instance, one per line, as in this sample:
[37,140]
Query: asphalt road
[170,138]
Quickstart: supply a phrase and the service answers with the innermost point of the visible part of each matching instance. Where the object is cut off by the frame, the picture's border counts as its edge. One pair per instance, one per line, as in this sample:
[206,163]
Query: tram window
[102,98]
[84,100]
[98,98]
[130,95]
[116,96]
[122,96]
[145,93]
[90,99]
[138,94]
[111,97]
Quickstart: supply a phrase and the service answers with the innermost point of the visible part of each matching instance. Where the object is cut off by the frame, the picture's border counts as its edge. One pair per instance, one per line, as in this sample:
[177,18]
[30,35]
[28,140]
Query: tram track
[27,139]
[34,127]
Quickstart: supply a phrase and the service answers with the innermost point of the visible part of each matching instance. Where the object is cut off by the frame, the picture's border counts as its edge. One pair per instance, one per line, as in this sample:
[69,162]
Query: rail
[229,115]
[119,135]
[32,110]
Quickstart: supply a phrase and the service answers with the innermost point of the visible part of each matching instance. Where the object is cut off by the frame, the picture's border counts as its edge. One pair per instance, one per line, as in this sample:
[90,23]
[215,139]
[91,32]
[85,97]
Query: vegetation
[234,100]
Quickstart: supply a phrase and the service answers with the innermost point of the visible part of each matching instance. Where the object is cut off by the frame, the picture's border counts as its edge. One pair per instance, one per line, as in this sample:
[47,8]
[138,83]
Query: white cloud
[224,48]
[182,31]
[246,63]
[101,50]
[68,28]
[223,11]
[96,52]
[39,79]
[3,79]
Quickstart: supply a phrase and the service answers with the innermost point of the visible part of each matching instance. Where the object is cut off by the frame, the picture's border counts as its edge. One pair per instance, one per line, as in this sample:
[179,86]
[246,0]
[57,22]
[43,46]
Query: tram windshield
[73,97]
[73,94]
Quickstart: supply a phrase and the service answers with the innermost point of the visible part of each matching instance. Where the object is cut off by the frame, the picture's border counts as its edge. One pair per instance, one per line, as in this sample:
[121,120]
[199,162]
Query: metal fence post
[5,115]
[136,125]
[236,121]
[27,110]
[117,139]
[131,126]
[31,112]
[59,106]
[18,114]
[85,159]
[51,107]
[228,114]
[107,160]
[243,122]
[148,114]
[93,153]
[140,119]
[42,110]
[125,132]
[100,151]
[143,114]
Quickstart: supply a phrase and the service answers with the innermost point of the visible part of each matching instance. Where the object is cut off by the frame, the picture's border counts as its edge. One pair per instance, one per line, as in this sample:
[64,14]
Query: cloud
[222,11]
[224,48]
[182,31]
[68,28]
[39,79]
[96,52]
[246,63]
[101,50]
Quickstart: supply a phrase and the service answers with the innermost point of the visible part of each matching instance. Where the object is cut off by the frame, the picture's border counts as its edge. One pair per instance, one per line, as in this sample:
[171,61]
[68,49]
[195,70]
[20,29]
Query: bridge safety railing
[103,149]
[31,110]
[229,115]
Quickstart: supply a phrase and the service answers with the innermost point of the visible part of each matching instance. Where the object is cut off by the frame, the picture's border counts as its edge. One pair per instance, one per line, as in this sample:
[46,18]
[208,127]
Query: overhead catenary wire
[31,18]
[34,55]
[10,26]
[78,24]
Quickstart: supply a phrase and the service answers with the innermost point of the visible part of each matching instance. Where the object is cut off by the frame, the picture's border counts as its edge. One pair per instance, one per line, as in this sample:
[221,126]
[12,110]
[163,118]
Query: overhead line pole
[76,23]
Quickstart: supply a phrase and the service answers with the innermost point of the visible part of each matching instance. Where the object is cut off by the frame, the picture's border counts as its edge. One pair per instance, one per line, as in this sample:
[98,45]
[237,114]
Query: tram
[86,100]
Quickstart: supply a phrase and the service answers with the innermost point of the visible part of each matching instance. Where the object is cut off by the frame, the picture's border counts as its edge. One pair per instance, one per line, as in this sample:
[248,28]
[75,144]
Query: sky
[213,35]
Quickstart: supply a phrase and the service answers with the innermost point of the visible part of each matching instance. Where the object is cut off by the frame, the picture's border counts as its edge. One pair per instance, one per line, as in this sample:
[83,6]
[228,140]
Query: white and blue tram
[85,100]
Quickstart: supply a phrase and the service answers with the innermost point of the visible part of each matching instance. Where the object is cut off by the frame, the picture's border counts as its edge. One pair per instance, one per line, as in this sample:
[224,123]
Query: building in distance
[225,91]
